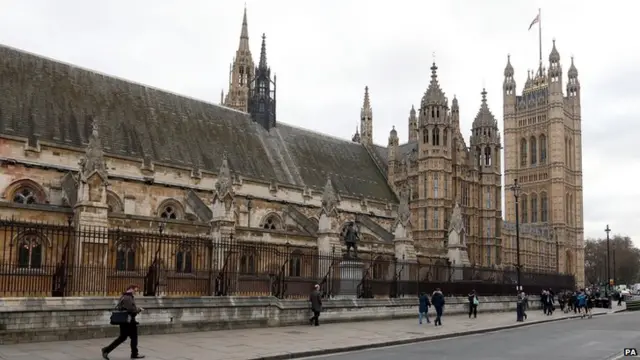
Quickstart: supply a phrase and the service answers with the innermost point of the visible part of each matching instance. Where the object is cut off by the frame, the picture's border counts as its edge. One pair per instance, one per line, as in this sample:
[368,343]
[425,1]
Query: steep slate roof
[56,101]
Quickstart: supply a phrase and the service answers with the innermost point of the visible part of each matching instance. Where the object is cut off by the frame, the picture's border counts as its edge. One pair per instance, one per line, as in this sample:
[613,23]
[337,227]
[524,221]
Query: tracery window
[24,195]
[126,255]
[169,212]
[543,149]
[295,263]
[534,208]
[184,260]
[533,149]
[247,263]
[523,152]
[524,209]
[30,251]
[272,222]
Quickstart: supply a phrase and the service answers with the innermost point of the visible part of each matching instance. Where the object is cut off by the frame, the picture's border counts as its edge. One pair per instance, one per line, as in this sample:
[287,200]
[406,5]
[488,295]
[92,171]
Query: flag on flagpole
[535,21]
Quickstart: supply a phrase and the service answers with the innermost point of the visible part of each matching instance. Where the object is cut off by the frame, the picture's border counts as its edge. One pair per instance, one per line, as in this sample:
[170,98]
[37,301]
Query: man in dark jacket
[437,300]
[316,305]
[423,310]
[473,304]
[130,329]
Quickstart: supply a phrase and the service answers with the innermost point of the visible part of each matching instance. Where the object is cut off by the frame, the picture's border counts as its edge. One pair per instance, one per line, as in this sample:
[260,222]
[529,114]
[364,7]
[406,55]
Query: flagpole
[540,37]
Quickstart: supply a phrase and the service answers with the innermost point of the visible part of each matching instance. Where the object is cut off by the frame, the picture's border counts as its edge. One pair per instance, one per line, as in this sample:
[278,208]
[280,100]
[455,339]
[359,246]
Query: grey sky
[325,54]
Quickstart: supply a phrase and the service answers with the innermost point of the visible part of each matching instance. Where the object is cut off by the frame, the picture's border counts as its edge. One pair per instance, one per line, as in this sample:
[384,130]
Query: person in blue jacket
[423,310]
[437,300]
[582,302]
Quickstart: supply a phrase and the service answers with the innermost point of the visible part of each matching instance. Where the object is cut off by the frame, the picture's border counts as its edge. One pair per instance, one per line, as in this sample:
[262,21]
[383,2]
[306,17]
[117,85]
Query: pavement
[599,338]
[299,341]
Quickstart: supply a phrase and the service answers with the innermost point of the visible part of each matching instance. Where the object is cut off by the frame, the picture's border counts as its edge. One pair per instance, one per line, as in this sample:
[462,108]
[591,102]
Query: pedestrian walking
[437,300]
[129,326]
[423,308]
[316,305]
[473,304]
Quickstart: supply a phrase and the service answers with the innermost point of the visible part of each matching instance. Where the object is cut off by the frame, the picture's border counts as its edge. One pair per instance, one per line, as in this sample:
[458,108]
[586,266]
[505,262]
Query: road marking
[616,357]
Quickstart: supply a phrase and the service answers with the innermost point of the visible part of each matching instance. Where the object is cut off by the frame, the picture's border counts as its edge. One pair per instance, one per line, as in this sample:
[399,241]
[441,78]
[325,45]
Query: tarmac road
[599,338]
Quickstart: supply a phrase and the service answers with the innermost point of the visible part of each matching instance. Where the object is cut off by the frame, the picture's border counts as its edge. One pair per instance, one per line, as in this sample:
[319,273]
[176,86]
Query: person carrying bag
[124,315]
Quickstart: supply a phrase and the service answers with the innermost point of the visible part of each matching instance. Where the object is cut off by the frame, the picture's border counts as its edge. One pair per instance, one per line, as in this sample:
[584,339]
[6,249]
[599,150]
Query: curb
[344,349]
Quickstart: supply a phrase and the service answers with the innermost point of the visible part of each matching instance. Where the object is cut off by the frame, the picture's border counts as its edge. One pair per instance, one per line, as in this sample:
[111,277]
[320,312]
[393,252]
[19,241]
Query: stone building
[441,170]
[543,151]
[98,152]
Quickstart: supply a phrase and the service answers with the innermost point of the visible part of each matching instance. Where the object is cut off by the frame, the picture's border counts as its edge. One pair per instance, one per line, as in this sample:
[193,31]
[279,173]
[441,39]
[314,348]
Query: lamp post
[608,230]
[516,192]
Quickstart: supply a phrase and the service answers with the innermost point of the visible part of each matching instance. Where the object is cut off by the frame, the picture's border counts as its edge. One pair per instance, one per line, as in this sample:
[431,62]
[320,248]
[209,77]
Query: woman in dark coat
[423,311]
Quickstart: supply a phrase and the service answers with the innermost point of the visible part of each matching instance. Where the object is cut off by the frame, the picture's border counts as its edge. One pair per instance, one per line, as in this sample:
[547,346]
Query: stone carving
[224,187]
[404,212]
[456,224]
[93,160]
[329,198]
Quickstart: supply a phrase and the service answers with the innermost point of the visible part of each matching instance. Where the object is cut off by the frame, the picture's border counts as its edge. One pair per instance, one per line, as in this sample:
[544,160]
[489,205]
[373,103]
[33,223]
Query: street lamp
[516,192]
[608,230]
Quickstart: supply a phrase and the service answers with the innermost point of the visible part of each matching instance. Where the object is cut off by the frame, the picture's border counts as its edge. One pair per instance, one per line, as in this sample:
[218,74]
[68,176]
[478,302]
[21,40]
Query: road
[599,338]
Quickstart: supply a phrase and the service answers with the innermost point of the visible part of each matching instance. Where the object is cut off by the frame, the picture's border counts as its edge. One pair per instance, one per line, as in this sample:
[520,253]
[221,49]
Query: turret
[434,117]
[485,138]
[573,85]
[555,73]
[509,88]
[262,102]
[392,153]
[366,120]
[413,125]
[455,113]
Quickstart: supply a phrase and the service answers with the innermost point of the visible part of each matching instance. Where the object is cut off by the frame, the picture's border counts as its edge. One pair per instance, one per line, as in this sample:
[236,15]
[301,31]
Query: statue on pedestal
[351,238]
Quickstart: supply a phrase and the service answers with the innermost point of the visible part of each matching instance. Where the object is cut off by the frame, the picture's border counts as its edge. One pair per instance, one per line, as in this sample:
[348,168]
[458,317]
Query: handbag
[119,316]
[475,301]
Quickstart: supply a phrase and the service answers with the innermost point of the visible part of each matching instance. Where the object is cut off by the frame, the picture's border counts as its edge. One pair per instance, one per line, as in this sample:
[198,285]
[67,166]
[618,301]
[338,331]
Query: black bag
[119,316]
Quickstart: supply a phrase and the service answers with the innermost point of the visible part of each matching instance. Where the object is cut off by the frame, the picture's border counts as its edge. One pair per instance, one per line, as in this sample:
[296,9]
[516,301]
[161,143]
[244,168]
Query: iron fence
[39,259]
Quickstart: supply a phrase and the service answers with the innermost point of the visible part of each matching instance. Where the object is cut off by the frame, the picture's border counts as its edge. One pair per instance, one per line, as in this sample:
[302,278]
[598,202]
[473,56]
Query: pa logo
[630,352]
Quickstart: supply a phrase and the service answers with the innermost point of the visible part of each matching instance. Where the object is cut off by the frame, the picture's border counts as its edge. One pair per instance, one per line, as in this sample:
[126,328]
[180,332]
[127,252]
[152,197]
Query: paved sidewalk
[277,343]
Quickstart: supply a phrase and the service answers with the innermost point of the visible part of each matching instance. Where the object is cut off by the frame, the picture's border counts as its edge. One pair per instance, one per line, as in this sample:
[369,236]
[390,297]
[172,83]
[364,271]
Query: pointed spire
[224,183]
[413,111]
[393,133]
[329,198]
[573,71]
[554,56]
[367,103]
[263,53]
[356,136]
[244,33]
[93,159]
[434,94]
[508,70]
[484,118]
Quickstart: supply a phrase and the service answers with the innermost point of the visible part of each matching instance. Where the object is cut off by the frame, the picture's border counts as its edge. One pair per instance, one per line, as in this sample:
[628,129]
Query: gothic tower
[413,125]
[241,72]
[485,142]
[434,154]
[366,120]
[543,149]
[262,95]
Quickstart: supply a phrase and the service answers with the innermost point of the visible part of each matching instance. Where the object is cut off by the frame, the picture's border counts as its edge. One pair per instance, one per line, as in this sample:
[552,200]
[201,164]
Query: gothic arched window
[445,137]
[534,208]
[272,222]
[24,196]
[543,149]
[295,263]
[379,269]
[30,251]
[425,136]
[544,207]
[126,255]
[171,209]
[523,152]
[248,263]
[533,150]
[184,260]
[487,156]
[435,138]
[524,209]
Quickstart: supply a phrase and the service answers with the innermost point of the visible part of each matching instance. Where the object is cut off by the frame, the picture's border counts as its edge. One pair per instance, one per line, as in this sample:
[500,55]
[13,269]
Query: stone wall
[53,319]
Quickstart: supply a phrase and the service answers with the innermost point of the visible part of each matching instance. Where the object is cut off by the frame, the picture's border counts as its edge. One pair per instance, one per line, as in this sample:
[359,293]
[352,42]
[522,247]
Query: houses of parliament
[147,154]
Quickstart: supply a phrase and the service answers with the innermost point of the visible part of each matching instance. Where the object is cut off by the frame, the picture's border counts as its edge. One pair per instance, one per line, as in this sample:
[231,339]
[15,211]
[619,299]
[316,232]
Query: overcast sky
[324,54]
